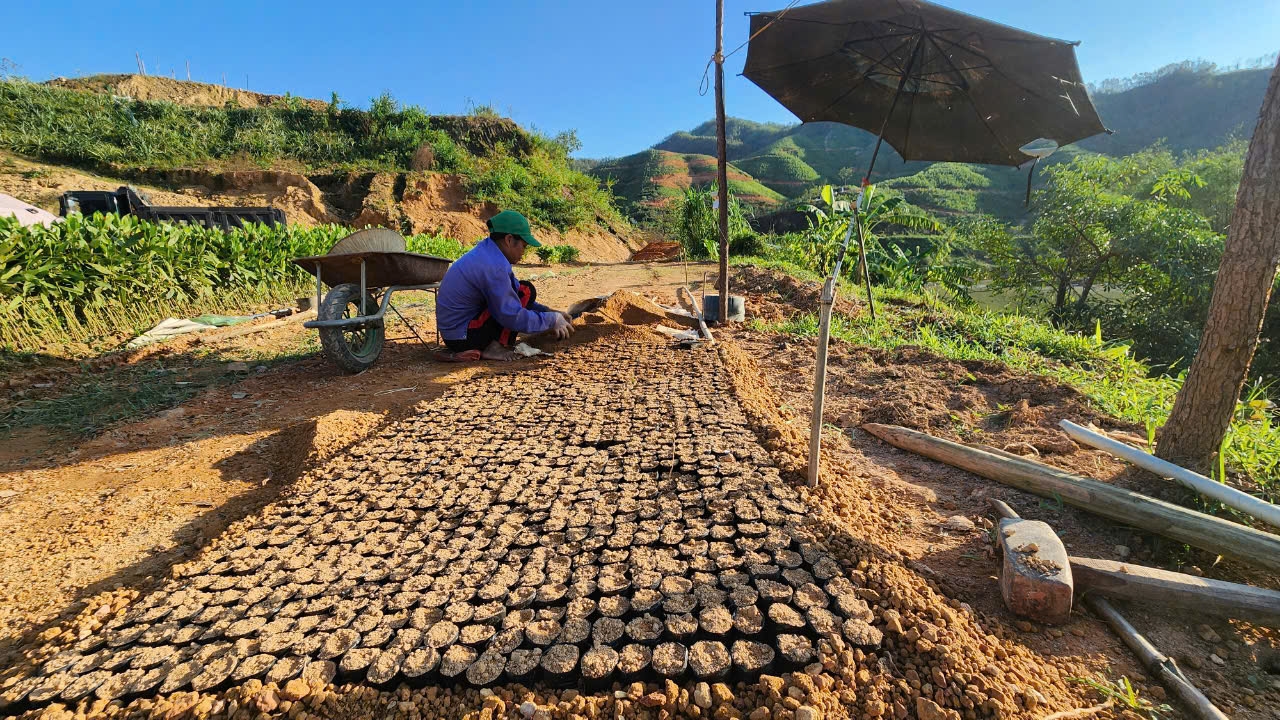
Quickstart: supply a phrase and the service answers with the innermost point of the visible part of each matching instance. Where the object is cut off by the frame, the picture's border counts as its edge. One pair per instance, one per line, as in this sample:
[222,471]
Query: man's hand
[563,327]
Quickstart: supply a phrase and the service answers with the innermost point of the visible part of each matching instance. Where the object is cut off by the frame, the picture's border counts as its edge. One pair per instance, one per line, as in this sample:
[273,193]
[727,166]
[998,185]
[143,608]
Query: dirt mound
[182,92]
[628,308]
[655,251]
[774,295]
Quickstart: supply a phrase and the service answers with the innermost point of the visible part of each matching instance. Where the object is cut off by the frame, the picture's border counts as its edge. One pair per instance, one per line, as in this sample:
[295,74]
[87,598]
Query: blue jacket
[480,280]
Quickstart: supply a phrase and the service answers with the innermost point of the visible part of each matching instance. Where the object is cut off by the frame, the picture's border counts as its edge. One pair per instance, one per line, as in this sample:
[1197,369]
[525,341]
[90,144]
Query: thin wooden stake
[722,169]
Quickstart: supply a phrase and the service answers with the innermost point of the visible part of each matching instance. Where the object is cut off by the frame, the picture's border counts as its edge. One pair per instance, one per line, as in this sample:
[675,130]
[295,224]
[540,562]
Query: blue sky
[623,74]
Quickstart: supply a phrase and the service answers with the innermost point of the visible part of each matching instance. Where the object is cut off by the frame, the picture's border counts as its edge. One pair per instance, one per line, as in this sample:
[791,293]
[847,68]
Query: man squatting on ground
[481,307]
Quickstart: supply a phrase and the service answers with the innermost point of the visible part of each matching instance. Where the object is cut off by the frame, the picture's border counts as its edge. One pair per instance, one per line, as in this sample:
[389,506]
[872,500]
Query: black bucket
[711,308]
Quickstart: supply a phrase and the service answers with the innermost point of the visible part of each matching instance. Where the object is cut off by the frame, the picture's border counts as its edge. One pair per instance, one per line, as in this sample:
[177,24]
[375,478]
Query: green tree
[1092,231]
[1207,400]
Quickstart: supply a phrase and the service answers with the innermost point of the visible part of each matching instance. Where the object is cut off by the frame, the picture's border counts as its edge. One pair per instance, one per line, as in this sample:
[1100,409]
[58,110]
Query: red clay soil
[773,296]
[655,251]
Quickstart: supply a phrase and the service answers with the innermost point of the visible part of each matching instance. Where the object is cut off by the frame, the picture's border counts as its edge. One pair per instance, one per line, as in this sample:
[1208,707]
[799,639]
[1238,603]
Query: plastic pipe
[1244,502]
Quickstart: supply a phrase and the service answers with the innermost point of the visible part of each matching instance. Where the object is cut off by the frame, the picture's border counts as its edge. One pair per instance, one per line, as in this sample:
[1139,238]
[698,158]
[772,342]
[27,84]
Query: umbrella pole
[862,261]
[866,179]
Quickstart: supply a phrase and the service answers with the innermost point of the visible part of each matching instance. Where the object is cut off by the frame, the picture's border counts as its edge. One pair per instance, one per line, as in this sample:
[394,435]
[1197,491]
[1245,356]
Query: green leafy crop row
[59,282]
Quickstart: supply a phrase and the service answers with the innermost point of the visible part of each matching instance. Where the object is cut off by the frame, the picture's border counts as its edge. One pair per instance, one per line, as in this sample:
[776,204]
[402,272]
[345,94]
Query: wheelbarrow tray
[382,269]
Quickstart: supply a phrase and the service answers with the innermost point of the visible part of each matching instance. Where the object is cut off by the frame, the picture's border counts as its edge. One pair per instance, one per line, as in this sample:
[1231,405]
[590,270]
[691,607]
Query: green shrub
[693,221]
[746,243]
[557,254]
[505,165]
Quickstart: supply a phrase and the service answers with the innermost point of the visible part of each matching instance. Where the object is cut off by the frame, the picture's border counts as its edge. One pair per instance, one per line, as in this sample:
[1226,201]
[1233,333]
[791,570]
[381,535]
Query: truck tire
[352,350]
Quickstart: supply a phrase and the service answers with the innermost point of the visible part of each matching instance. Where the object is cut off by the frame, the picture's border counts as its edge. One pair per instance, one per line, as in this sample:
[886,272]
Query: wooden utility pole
[722,169]
[1204,406]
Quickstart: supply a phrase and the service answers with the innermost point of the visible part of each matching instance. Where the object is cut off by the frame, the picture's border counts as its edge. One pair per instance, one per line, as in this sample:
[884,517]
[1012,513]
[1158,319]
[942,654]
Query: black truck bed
[125,201]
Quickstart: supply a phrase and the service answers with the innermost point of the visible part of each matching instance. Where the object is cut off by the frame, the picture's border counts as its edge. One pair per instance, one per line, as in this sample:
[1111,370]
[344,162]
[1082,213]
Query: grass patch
[1112,380]
[91,402]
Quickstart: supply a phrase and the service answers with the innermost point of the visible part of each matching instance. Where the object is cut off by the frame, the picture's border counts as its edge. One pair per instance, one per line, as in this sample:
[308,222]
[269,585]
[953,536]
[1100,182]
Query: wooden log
[1203,531]
[1216,597]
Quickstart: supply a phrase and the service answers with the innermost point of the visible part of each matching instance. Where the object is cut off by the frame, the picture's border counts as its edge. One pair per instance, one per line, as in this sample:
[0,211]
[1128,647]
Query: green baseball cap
[510,222]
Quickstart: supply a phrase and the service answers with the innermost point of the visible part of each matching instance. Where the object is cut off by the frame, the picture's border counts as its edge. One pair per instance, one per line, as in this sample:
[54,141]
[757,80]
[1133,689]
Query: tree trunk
[1060,301]
[1084,290]
[1204,406]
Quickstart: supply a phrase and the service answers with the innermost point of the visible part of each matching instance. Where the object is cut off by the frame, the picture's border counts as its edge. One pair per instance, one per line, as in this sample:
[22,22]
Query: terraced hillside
[648,179]
[1186,107]
[390,165]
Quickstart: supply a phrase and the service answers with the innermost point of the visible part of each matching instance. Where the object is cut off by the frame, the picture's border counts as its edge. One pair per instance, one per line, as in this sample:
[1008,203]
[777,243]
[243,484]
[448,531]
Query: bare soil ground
[183,92]
[92,527]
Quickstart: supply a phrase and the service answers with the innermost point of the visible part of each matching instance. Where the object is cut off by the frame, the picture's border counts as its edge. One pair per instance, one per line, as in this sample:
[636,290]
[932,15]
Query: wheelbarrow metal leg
[318,290]
[362,287]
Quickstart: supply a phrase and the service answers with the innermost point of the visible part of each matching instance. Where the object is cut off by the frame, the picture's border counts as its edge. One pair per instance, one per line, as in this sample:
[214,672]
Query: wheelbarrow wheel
[355,349]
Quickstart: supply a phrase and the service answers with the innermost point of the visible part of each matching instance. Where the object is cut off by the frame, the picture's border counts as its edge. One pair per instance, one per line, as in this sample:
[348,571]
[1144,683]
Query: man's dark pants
[484,329]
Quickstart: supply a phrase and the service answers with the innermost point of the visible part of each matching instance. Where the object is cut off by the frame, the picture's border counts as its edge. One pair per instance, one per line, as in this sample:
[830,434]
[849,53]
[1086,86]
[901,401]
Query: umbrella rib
[906,139]
[845,94]
[996,69]
[993,66]
[895,71]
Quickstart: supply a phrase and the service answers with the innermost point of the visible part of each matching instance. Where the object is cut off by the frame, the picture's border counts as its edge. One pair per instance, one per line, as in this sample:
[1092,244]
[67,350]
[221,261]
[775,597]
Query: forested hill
[1189,106]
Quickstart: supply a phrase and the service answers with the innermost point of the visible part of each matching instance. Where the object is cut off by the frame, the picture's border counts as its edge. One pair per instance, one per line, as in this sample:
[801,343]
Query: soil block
[559,664]
[709,659]
[522,665]
[671,660]
[455,661]
[607,631]
[633,661]
[796,650]
[487,668]
[420,662]
[598,665]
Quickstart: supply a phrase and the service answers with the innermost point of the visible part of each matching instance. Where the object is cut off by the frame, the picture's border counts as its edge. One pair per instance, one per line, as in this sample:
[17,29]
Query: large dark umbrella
[934,83]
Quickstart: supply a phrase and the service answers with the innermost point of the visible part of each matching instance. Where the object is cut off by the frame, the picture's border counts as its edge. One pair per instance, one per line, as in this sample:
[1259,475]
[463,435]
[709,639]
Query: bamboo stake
[697,312]
[1159,664]
[1203,531]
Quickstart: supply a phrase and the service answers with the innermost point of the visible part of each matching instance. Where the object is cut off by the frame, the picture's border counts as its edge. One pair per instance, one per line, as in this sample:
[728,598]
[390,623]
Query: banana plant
[829,224]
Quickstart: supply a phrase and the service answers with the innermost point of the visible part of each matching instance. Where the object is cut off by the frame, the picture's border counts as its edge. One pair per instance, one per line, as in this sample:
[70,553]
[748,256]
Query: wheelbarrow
[363,271]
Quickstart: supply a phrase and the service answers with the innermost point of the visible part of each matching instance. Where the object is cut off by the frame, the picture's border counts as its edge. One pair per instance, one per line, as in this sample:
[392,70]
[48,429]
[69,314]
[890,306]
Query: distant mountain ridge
[1187,106]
